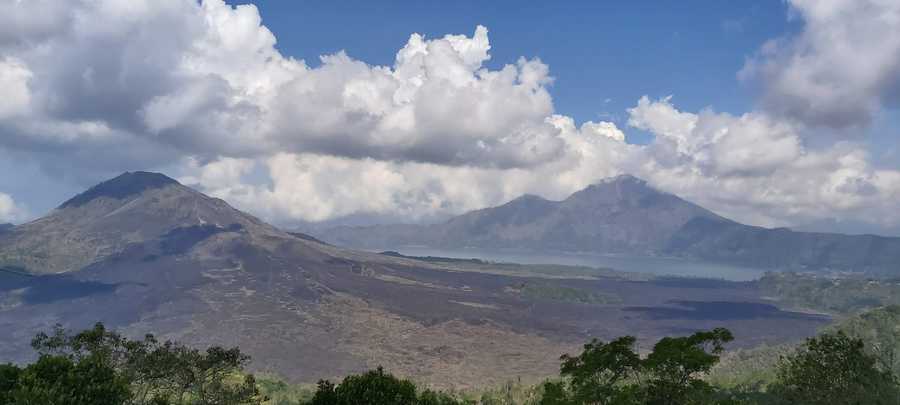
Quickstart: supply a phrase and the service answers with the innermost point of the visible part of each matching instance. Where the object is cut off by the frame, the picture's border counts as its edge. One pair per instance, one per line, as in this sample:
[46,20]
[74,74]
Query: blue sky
[603,55]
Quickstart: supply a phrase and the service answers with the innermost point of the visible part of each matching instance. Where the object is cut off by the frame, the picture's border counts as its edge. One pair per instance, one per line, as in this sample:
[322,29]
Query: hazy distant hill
[6,227]
[143,253]
[786,249]
[625,215]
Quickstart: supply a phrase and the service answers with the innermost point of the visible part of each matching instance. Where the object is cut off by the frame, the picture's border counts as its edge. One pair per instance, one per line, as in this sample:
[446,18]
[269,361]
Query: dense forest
[853,362]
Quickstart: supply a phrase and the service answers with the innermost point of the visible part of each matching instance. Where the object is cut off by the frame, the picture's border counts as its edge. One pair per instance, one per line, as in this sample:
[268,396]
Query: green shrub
[834,369]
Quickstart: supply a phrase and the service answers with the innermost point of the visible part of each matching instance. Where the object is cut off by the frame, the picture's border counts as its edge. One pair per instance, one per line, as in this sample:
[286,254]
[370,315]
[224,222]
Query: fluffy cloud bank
[317,187]
[98,87]
[206,79]
[755,168]
[840,70]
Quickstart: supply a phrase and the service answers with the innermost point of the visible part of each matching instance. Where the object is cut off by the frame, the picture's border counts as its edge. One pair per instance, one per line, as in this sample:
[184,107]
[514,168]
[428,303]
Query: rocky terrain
[143,253]
[625,215]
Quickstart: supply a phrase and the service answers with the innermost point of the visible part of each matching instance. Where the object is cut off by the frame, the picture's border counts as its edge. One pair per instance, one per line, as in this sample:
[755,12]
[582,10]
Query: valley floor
[460,325]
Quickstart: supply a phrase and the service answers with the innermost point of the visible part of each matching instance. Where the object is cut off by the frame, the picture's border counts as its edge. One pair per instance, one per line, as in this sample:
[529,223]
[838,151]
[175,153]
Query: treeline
[101,367]
[832,368]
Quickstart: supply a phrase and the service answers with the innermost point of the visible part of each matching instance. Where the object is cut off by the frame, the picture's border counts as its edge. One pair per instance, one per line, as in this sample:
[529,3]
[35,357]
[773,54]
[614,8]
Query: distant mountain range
[143,253]
[626,215]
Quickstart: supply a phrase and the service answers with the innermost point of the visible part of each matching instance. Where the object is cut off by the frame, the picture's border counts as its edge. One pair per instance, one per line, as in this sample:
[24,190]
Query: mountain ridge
[601,214]
[624,214]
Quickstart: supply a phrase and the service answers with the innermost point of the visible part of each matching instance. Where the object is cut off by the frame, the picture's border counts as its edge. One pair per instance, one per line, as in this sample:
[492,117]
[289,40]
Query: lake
[670,266]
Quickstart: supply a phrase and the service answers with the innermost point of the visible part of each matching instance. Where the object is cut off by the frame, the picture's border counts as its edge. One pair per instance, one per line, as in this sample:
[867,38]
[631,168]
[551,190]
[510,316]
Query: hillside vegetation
[839,295]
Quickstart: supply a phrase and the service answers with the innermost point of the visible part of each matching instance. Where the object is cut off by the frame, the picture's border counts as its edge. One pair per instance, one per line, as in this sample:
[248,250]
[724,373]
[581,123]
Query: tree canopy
[376,387]
[99,366]
[613,373]
[835,369]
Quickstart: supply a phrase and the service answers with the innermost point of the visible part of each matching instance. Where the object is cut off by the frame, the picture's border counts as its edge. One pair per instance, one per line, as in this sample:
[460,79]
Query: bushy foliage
[613,373]
[676,364]
[749,369]
[280,392]
[596,375]
[834,369]
[376,387]
[9,380]
[99,366]
[60,380]
[879,329]
[513,392]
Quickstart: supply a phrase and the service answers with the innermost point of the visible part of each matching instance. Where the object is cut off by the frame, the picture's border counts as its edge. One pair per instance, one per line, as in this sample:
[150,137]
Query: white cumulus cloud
[840,70]
[205,79]
[755,168]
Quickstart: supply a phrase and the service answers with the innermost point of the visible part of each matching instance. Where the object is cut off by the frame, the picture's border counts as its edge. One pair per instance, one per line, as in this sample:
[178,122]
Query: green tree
[595,376]
[204,377]
[9,378]
[58,380]
[879,331]
[834,369]
[429,397]
[158,372]
[555,394]
[675,366]
[613,373]
[374,387]
[325,394]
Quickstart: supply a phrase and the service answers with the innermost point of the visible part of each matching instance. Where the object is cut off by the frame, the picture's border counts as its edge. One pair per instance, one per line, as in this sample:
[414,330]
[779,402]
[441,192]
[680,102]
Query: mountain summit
[104,220]
[128,184]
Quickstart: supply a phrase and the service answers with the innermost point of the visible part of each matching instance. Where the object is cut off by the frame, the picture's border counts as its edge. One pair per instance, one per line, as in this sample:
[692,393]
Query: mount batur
[143,253]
